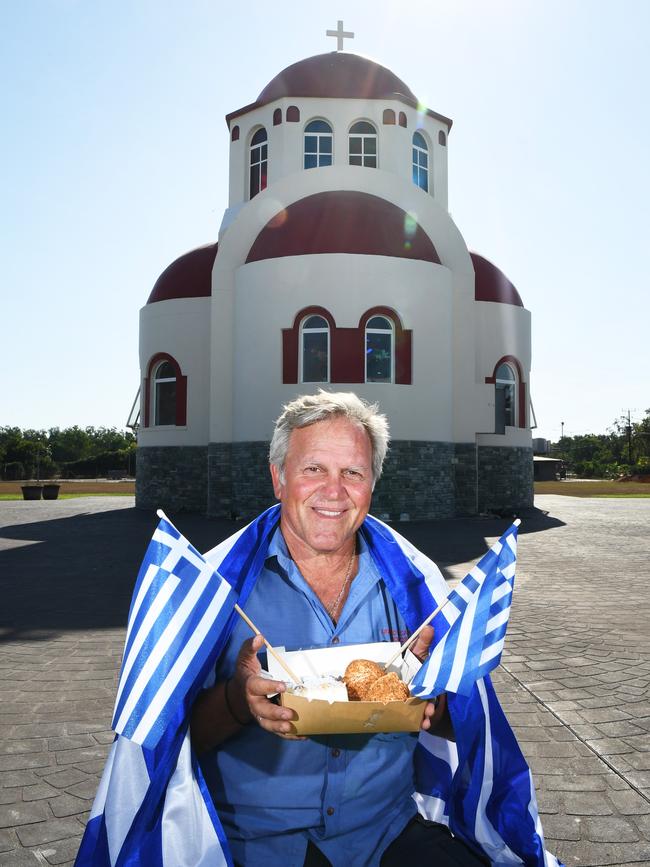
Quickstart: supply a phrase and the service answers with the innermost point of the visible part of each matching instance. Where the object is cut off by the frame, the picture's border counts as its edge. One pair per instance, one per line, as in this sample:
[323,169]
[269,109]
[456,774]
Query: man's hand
[248,692]
[436,715]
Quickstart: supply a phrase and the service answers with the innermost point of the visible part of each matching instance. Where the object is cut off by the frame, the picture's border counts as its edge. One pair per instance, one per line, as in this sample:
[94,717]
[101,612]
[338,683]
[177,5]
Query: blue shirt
[350,794]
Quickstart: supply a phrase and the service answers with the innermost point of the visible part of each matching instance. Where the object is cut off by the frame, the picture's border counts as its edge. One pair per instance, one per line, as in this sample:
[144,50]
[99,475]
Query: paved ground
[574,680]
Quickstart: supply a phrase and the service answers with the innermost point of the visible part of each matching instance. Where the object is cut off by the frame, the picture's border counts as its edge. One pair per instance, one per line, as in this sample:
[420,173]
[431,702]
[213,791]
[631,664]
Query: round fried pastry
[387,688]
[359,675]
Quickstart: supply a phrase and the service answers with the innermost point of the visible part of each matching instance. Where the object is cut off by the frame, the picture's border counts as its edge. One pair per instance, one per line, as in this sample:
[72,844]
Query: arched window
[258,163]
[505,398]
[318,144]
[234,135]
[402,119]
[380,355]
[389,116]
[420,162]
[277,117]
[164,394]
[363,145]
[293,114]
[314,349]
[442,138]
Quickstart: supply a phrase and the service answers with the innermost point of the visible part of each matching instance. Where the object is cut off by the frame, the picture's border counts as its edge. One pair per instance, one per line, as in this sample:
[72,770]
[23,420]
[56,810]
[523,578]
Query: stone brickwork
[173,478]
[417,482]
[505,478]
[421,480]
[465,478]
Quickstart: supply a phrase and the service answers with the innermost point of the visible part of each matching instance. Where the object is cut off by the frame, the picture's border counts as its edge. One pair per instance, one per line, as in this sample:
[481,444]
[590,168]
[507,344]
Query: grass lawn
[81,488]
[586,488]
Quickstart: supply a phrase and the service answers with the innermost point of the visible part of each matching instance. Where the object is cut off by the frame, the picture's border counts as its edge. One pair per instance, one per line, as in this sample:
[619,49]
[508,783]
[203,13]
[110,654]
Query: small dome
[343,221]
[337,75]
[189,276]
[491,284]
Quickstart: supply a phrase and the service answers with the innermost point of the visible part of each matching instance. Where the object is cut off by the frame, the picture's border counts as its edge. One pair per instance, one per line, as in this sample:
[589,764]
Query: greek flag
[180,603]
[153,808]
[472,646]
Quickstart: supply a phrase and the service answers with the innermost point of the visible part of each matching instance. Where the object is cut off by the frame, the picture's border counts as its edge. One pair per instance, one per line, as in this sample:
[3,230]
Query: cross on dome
[340,34]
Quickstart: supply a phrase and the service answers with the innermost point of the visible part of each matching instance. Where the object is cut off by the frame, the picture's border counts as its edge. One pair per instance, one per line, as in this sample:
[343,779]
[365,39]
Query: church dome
[491,284]
[336,74]
[343,221]
[189,276]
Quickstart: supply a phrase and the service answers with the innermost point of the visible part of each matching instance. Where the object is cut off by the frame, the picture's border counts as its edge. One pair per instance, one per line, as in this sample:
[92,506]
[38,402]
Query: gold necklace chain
[332,608]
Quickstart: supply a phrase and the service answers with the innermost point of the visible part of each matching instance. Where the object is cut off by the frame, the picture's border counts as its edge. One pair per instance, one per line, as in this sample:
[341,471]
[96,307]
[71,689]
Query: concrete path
[574,680]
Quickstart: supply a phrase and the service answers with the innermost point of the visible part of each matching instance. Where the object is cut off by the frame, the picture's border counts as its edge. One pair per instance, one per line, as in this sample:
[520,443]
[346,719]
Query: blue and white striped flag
[180,606]
[472,646]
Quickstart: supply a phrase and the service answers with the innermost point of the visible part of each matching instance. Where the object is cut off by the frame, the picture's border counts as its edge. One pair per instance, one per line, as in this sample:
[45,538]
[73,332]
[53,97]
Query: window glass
[318,144]
[379,349]
[420,162]
[378,356]
[362,145]
[504,371]
[258,163]
[505,398]
[315,322]
[164,395]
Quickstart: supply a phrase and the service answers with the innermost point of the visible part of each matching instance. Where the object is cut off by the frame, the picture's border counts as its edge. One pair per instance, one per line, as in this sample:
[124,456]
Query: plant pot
[51,492]
[32,492]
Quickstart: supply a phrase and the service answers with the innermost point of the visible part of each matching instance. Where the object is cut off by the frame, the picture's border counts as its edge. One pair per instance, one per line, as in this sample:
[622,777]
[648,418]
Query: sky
[114,158]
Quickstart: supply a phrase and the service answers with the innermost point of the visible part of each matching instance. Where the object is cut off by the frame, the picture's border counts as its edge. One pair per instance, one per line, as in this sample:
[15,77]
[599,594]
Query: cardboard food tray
[319,717]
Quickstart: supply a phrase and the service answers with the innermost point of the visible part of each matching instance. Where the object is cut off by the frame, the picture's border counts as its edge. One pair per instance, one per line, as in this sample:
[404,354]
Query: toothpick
[270,649]
[411,640]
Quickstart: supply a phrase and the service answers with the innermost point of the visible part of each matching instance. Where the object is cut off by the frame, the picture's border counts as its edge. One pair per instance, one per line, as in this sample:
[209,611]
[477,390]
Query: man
[344,799]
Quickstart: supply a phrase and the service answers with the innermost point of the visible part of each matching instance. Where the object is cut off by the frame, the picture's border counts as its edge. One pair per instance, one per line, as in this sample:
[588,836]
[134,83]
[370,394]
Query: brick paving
[574,679]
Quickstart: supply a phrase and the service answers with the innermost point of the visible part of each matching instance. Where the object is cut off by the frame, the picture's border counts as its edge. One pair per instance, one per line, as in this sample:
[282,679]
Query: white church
[337,266]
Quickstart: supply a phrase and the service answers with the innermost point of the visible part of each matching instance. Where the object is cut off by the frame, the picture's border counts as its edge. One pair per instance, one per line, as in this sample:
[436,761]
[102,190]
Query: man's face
[327,486]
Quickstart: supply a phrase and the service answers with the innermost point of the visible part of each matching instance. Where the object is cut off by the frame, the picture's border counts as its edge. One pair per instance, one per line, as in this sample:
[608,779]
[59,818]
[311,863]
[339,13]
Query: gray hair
[323,406]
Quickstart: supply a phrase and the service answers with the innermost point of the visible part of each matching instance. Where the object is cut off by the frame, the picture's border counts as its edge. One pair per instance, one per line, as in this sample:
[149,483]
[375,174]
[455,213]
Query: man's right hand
[247,693]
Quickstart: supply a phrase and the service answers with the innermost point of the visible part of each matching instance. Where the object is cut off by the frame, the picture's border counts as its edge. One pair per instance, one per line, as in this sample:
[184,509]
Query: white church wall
[285,141]
[347,285]
[180,327]
[237,240]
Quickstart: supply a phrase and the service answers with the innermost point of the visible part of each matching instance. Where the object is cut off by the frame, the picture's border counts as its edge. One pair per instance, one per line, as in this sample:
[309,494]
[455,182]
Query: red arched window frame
[181,389]
[347,347]
[521,385]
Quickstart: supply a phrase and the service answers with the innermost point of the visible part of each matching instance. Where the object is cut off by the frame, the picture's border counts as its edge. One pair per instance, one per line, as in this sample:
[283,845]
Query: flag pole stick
[410,641]
[275,655]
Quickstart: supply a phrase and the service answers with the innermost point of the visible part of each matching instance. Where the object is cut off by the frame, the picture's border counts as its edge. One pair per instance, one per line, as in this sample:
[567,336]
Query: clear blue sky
[114,155]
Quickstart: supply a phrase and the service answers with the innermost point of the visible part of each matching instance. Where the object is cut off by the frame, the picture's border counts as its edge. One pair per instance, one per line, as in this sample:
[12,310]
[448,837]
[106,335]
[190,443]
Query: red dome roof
[338,75]
[335,75]
[189,276]
[343,221]
[491,284]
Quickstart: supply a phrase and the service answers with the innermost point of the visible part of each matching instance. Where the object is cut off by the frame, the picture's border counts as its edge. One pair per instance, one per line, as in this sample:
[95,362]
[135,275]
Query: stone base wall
[465,478]
[239,482]
[417,482]
[505,479]
[421,480]
[172,478]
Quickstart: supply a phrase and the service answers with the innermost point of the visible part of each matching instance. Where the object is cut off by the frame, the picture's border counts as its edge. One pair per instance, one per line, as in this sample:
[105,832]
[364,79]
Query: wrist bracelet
[229,706]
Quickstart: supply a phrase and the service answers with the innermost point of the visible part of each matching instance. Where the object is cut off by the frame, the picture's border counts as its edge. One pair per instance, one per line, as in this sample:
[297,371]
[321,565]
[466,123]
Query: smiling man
[344,799]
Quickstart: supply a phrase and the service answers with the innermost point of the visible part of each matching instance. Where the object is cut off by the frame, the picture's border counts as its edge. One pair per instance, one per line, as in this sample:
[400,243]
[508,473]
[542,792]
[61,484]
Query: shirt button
[336,753]
[330,811]
[336,639]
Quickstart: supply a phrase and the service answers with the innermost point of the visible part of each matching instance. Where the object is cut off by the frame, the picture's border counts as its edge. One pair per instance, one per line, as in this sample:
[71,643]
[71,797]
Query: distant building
[337,266]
